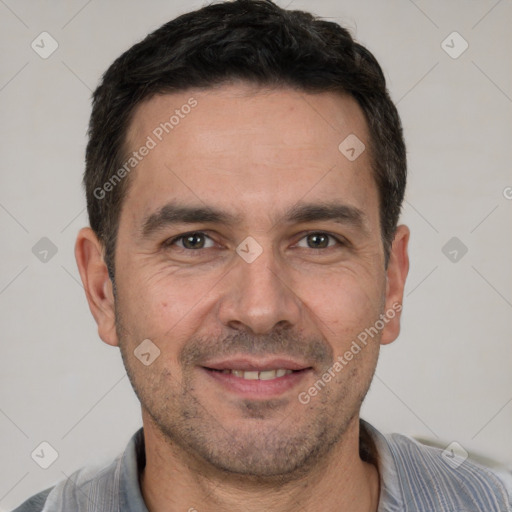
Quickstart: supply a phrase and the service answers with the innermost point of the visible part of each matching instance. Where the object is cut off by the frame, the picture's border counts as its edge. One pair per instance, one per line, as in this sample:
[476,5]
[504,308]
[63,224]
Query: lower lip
[255,389]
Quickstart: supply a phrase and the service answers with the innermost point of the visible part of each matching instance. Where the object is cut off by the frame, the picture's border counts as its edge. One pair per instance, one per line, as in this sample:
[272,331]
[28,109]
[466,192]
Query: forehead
[248,151]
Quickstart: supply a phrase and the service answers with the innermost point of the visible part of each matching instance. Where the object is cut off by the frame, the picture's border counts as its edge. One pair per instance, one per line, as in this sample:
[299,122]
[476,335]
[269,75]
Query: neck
[175,480]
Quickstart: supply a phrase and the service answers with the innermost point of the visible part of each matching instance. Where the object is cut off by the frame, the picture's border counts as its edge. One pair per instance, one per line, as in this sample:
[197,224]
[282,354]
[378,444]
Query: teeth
[255,375]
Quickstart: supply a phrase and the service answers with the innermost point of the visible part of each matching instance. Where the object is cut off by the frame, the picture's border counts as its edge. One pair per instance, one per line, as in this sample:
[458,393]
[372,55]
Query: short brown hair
[254,41]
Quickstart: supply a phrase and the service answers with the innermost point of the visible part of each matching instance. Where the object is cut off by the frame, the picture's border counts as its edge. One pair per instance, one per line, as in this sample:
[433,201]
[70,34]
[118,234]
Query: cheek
[164,304]
[344,302]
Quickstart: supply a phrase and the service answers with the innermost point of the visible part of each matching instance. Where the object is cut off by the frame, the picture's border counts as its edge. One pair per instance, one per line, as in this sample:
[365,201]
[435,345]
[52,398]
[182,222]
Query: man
[244,178]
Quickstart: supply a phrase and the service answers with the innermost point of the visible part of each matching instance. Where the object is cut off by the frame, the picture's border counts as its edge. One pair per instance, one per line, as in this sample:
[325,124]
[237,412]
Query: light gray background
[448,376]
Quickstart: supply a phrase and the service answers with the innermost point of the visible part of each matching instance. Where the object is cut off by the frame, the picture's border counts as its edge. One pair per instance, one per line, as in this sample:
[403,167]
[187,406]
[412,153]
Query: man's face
[269,164]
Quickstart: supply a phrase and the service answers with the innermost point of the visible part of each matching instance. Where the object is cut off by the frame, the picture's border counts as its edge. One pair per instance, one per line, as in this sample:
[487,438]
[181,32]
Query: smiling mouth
[257,378]
[258,375]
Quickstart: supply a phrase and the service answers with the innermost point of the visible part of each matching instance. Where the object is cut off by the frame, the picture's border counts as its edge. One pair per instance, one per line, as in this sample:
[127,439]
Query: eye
[319,240]
[192,241]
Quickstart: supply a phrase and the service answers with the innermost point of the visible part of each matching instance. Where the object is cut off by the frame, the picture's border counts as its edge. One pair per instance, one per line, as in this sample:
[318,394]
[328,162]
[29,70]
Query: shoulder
[35,503]
[75,491]
[418,477]
[101,486]
[449,477]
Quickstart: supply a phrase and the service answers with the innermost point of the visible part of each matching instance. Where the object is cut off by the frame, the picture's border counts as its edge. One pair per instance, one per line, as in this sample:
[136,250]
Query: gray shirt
[413,478]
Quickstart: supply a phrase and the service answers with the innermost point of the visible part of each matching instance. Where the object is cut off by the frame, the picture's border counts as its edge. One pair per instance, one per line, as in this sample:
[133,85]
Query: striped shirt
[413,478]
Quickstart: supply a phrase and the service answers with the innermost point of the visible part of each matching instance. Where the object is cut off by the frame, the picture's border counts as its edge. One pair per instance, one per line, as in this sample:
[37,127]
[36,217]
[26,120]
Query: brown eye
[192,241]
[318,240]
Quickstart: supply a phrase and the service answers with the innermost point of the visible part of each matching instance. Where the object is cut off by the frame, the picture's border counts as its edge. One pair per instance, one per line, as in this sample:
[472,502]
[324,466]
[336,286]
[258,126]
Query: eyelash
[170,242]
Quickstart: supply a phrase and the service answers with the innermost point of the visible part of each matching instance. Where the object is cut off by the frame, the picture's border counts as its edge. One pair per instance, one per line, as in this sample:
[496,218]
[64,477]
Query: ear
[97,283]
[396,274]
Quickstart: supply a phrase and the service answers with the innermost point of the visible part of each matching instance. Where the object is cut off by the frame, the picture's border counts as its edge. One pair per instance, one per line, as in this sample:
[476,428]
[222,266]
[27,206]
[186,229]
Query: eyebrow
[337,212]
[172,213]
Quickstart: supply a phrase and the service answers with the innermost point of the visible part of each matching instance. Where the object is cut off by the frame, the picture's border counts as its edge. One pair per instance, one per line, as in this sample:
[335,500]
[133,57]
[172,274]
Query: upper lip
[251,364]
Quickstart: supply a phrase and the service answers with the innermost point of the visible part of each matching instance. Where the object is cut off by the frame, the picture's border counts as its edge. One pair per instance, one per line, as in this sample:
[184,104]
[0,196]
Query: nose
[259,296]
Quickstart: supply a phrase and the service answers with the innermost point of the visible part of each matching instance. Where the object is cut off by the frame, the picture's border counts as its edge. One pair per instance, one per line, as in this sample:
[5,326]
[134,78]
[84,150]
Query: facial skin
[253,154]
